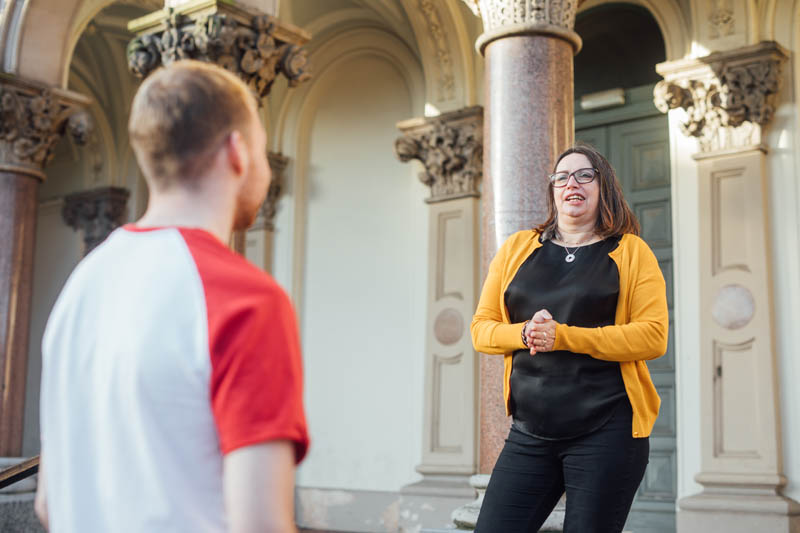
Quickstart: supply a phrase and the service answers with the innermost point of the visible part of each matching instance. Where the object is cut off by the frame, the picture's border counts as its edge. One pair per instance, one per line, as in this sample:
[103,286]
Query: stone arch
[36,39]
[447,56]
[670,20]
[295,118]
[40,36]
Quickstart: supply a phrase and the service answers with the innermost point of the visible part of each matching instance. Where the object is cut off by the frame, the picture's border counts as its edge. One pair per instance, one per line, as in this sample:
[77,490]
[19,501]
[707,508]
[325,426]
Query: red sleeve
[256,367]
[256,377]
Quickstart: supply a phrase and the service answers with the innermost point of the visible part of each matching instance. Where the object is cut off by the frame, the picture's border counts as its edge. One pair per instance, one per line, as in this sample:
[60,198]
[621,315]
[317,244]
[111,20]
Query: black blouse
[559,394]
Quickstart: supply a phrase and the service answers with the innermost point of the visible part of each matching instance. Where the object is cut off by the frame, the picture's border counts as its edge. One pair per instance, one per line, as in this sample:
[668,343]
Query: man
[172,380]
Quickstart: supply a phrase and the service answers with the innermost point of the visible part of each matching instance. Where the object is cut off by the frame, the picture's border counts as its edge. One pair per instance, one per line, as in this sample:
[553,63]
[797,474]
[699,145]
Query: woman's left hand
[542,332]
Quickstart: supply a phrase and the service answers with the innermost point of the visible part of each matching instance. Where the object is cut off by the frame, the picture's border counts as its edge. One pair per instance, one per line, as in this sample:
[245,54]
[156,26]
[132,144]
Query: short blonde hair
[181,113]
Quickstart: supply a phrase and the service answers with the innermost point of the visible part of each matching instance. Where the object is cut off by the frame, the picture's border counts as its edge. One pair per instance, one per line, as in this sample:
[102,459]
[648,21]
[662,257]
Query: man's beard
[245,215]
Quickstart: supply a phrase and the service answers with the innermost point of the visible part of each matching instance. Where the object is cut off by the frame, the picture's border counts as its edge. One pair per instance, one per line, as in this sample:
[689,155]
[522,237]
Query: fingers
[542,316]
[541,336]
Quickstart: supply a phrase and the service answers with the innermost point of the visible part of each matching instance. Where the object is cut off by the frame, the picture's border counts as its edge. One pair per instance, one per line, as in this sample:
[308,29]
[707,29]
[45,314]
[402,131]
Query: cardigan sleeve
[490,333]
[645,335]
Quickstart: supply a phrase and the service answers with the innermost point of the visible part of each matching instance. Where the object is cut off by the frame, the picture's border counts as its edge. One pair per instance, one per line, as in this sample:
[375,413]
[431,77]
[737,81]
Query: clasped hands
[540,332]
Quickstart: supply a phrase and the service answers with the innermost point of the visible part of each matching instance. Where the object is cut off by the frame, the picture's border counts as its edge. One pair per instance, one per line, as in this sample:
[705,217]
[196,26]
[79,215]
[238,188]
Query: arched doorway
[614,79]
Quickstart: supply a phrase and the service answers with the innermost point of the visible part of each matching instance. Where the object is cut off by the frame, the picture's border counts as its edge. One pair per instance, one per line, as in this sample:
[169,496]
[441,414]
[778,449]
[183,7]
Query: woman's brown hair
[614,217]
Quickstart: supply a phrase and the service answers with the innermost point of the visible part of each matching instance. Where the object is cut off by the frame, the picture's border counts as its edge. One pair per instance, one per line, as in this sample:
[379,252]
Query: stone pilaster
[450,149]
[95,213]
[255,46]
[727,101]
[32,120]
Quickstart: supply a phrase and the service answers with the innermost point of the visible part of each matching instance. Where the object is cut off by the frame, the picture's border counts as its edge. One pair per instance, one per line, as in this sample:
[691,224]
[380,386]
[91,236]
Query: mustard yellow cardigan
[639,332]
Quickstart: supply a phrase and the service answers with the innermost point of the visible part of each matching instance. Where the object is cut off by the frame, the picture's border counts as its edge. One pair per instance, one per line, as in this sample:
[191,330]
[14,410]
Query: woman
[576,306]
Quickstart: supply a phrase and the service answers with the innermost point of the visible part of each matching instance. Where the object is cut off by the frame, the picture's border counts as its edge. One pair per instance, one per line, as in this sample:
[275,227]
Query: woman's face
[576,202]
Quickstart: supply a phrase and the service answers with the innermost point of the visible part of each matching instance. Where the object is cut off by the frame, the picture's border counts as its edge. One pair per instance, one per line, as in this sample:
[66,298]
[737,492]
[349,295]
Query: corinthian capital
[498,13]
[254,46]
[95,213]
[728,97]
[519,17]
[32,120]
[450,147]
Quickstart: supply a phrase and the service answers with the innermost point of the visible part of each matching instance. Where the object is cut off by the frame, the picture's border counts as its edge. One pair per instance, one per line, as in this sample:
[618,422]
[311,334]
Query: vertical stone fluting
[32,120]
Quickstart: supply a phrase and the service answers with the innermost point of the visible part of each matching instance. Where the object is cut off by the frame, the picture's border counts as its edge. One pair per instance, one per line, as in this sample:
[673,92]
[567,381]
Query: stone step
[16,514]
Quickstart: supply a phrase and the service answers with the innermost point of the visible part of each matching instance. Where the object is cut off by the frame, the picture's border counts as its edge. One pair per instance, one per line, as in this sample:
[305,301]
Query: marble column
[245,40]
[95,213]
[528,120]
[33,119]
[450,148]
[727,99]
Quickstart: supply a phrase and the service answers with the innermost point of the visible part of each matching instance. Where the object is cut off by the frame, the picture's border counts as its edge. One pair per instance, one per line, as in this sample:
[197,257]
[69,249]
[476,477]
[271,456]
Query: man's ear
[238,154]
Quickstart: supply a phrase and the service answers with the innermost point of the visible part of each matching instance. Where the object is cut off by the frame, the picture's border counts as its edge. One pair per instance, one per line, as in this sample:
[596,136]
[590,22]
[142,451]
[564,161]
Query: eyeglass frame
[551,177]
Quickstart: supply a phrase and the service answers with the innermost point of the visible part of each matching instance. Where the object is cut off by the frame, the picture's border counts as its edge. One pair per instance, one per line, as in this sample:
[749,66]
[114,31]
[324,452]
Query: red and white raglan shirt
[164,352]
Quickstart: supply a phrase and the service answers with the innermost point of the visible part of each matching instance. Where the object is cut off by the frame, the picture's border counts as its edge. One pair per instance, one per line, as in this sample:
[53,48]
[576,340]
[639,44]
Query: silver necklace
[571,255]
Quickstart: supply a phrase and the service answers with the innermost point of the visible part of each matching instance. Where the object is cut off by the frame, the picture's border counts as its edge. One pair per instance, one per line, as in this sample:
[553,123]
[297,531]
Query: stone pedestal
[450,148]
[728,101]
[33,119]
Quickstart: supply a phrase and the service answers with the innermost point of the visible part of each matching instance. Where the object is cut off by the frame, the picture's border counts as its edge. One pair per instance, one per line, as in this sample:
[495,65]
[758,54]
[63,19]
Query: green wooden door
[635,140]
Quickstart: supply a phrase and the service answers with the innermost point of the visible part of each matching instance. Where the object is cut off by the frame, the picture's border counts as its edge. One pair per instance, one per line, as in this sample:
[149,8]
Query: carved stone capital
[450,147]
[728,97]
[266,215]
[95,213]
[254,46]
[518,17]
[32,120]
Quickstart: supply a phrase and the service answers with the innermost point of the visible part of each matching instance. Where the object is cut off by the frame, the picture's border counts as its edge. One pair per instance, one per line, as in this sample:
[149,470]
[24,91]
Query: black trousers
[600,473]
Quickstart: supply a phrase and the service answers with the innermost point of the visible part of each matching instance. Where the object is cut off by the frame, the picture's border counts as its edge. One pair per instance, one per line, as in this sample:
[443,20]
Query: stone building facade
[410,138]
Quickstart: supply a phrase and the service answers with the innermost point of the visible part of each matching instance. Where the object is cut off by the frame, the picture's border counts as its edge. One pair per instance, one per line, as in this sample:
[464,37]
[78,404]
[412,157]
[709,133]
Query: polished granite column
[528,120]
[33,119]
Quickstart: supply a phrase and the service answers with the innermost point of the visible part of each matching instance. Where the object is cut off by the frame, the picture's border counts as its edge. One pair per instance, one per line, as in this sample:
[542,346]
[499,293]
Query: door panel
[639,151]
[597,137]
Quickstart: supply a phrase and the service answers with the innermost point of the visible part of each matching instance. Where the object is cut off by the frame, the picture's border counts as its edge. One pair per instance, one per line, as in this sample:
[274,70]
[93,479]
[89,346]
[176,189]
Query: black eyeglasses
[582,176]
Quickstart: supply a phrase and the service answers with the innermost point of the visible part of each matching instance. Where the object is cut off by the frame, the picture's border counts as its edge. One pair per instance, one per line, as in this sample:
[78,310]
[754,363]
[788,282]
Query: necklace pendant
[570,258]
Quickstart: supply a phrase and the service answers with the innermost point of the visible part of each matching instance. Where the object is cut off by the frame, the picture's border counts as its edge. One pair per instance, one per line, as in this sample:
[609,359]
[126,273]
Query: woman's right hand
[539,334]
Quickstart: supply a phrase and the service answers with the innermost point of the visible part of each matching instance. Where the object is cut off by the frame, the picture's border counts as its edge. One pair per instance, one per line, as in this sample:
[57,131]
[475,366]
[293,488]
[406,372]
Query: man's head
[193,122]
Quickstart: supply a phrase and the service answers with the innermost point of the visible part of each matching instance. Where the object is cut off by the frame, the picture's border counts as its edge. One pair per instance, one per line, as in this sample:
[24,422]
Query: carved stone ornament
[255,47]
[504,18]
[95,213]
[266,215]
[444,60]
[497,13]
[450,147]
[32,120]
[728,96]
[720,18]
